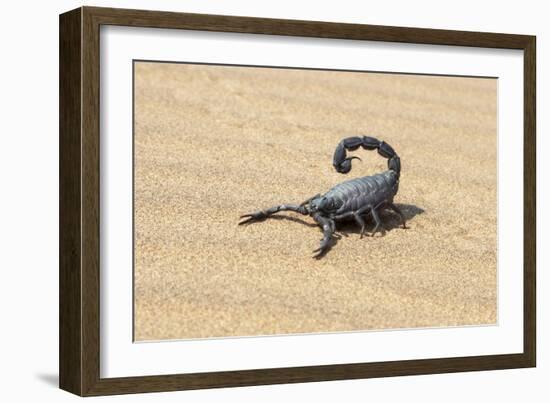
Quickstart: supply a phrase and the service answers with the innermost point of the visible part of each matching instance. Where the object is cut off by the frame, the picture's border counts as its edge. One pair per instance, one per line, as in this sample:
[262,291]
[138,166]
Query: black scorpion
[353,199]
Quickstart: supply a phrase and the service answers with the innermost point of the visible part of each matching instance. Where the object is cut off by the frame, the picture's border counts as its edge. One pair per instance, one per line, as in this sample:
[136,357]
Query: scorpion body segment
[353,199]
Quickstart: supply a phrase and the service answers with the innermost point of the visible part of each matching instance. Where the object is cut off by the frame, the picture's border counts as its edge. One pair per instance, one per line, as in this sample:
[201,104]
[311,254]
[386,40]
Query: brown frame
[79,201]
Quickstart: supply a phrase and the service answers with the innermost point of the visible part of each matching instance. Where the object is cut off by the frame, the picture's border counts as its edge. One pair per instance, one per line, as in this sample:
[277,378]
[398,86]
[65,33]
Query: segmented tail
[342,163]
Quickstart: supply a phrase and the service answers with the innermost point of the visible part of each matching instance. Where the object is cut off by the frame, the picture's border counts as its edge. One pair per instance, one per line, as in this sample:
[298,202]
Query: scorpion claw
[250,218]
[318,252]
[322,249]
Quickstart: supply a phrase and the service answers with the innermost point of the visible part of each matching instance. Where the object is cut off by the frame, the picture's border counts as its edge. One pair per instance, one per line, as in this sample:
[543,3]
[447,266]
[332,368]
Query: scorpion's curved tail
[342,163]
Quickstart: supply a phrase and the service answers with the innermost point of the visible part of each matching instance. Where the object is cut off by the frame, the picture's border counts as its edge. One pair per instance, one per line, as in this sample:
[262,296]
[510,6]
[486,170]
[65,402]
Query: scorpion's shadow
[390,221]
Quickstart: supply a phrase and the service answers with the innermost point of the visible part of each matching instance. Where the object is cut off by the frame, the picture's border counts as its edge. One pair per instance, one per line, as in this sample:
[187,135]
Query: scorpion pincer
[354,199]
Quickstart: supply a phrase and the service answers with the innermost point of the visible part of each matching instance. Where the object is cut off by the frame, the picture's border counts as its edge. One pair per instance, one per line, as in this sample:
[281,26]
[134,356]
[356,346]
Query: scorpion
[353,199]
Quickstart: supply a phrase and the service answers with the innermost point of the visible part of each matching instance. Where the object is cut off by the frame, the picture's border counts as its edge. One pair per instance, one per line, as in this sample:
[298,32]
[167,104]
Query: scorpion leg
[328,229]
[377,221]
[361,223]
[359,219]
[396,209]
[343,216]
[357,215]
[263,214]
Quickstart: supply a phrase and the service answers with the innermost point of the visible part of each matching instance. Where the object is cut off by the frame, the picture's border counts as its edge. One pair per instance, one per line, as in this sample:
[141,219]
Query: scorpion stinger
[354,199]
[342,163]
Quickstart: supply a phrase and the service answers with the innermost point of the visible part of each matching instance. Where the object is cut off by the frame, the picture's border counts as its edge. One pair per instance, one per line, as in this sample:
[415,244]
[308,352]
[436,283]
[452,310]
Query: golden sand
[215,142]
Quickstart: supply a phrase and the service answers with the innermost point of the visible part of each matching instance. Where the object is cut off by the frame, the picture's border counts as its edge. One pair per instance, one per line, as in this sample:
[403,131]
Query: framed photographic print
[249,201]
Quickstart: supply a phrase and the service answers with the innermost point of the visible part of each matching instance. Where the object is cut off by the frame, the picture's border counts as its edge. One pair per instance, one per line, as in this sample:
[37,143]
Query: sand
[215,142]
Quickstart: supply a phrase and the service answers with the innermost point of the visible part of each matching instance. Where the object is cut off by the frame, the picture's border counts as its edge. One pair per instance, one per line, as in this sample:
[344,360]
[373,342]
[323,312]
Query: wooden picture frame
[79,346]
